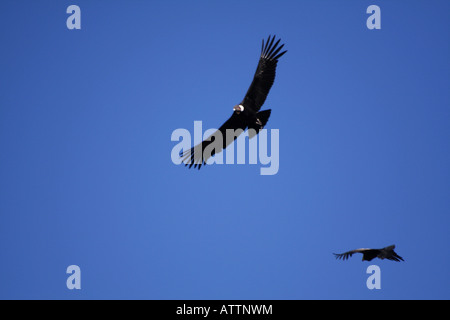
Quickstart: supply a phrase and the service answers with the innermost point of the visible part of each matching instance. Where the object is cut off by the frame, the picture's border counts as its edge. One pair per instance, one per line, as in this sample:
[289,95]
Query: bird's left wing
[395,257]
[264,75]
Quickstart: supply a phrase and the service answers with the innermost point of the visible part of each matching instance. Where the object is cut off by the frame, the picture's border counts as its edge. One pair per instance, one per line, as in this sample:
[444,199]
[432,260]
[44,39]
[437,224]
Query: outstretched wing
[395,257]
[198,155]
[264,75]
[346,255]
[391,254]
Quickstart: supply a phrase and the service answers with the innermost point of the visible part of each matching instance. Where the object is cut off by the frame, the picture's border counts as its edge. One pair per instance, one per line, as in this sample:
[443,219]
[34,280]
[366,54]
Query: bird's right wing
[346,255]
[198,155]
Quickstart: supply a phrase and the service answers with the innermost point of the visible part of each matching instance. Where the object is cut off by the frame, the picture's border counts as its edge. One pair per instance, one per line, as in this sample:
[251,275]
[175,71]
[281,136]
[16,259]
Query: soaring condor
[370,254]
[245,114]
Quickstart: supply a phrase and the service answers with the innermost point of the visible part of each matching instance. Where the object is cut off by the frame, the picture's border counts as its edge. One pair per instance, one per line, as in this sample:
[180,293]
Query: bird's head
[238,108]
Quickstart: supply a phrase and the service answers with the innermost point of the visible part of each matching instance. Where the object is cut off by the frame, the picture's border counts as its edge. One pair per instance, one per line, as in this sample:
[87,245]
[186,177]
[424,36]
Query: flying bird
[246,114]
[370,254]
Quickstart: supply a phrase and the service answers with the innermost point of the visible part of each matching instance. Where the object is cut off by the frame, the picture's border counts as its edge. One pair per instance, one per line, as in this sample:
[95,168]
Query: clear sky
[86,176]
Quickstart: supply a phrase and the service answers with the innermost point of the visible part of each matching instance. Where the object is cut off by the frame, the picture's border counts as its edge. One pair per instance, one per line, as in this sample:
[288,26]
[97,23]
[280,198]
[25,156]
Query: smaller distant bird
[370,254]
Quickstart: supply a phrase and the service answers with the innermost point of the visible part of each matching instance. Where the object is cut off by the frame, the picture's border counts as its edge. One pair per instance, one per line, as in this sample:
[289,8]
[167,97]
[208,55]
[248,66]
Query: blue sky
[86,176]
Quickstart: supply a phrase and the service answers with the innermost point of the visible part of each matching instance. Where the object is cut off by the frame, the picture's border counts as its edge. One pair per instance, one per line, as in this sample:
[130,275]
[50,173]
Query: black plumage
[246,114]
[370,254]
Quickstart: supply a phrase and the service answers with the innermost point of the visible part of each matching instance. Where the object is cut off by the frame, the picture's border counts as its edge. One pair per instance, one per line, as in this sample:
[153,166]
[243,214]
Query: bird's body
[370,254]
[245,114]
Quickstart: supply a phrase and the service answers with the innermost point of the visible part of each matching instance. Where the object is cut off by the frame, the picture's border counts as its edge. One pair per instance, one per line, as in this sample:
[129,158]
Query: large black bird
[245,114]
[370,254]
